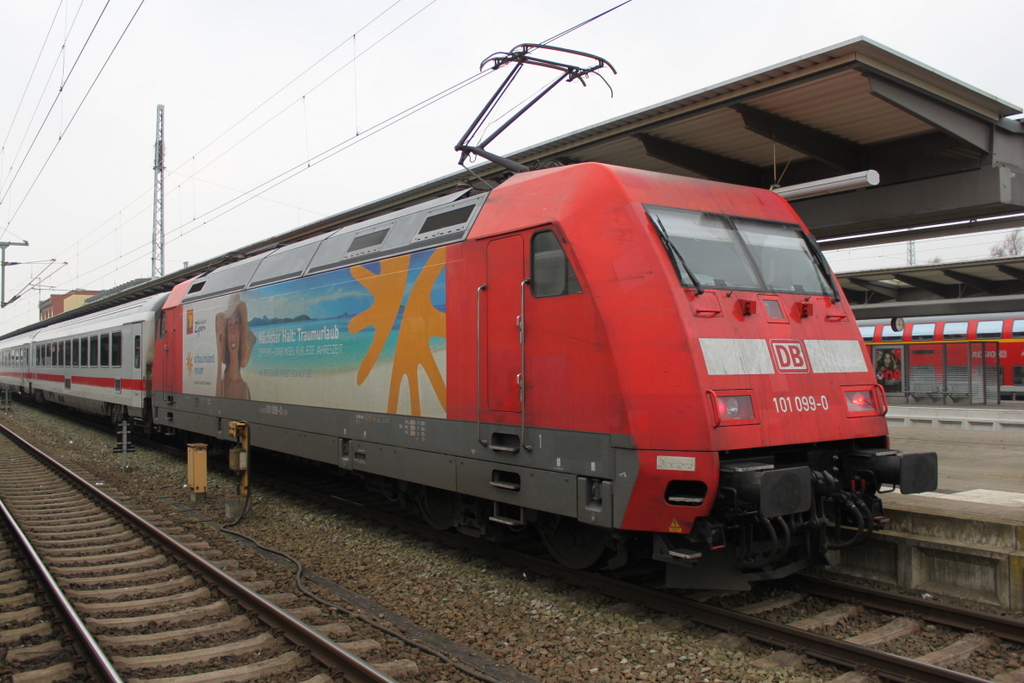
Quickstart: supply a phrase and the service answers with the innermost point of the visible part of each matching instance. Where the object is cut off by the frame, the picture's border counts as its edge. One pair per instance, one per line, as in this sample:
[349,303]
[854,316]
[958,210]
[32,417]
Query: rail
[321,648]
[93,652]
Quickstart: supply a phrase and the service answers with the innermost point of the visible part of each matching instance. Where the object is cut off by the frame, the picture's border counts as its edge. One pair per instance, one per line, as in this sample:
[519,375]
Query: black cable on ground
[352,613]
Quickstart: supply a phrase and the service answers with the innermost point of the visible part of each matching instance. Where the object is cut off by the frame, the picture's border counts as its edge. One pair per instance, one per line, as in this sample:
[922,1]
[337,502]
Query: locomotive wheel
[440,508]
[574,544]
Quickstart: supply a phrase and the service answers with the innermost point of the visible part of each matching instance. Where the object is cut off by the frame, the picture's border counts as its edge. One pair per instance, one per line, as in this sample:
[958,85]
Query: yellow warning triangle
[675,528]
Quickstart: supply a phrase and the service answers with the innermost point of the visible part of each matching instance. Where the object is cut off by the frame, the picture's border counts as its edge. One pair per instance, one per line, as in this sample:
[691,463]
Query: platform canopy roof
[945,151]
[968,287]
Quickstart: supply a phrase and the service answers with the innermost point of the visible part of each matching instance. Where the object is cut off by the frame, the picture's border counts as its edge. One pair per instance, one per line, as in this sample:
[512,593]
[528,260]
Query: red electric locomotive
[623,360]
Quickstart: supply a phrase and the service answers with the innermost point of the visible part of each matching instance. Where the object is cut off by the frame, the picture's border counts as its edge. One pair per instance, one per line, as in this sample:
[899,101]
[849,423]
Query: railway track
[150,607]
[33,626]
[866,631]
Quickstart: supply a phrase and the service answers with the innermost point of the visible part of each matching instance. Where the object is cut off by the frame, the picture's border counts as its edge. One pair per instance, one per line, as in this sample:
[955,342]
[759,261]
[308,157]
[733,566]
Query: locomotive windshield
[725,252]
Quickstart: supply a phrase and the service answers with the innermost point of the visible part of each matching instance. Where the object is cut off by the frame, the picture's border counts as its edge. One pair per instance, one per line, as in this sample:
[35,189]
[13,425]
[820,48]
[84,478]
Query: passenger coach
[950,358]
[98,363]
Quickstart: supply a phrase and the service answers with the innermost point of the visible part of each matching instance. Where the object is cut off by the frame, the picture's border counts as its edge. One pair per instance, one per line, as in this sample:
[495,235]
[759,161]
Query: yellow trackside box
[197,467]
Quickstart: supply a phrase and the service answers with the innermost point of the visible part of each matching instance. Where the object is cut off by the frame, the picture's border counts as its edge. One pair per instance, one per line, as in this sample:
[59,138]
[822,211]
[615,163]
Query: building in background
[60,303]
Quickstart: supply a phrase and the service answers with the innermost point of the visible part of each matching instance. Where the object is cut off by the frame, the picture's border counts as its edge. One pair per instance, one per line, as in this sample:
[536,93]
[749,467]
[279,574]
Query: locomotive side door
[503,348]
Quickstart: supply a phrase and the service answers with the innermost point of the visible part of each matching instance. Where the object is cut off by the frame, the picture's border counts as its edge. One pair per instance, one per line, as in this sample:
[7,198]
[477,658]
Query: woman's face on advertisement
[234,331]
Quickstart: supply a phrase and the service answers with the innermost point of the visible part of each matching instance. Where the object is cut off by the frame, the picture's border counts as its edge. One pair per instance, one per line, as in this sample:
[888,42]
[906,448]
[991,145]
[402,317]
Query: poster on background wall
[889,368]
[371,337]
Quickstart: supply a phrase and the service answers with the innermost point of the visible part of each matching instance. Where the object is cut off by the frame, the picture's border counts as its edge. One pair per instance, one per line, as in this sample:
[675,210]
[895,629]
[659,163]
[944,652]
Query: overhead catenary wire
[315,87]
[58,61]
[226,207]
[254,192]
[53,105]
[146,193]
[73,116]
[28,84]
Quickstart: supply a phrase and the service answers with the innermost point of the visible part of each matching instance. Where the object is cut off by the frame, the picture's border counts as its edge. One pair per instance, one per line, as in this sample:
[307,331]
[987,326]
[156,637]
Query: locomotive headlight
[730,407]
[736,409]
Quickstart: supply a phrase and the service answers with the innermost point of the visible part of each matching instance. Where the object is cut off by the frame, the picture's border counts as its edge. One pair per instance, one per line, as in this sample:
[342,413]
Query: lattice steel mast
[158,196]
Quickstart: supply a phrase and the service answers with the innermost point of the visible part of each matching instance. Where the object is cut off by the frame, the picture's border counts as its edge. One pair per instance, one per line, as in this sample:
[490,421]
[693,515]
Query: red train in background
[627,362]
[950,358]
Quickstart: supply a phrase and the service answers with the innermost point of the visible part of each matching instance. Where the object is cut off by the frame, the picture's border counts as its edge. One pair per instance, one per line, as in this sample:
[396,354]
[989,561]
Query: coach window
[67,352]
[954,331]
[138,352]
[74,352]
[104,350]
[989,329]
[922,332]
[1018,329]
[94,351]
[890,334]
[115,349]
[60,354]
[552,274]
[868,332]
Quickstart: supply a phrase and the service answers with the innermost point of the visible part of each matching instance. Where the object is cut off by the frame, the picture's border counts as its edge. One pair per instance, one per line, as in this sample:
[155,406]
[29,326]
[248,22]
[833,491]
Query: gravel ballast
[546,630]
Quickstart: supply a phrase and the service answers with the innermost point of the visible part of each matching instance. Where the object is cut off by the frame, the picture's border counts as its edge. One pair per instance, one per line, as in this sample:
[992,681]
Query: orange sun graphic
[420,322]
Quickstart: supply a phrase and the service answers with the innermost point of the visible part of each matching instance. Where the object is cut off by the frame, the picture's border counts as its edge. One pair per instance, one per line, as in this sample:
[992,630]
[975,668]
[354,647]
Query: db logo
[789,355]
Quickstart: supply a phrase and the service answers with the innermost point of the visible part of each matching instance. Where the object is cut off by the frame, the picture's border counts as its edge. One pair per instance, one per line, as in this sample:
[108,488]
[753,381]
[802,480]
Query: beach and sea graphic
[370,337]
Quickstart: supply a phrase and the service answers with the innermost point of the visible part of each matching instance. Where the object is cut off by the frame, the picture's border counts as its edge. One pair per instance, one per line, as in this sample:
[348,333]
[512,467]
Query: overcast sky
[253,90]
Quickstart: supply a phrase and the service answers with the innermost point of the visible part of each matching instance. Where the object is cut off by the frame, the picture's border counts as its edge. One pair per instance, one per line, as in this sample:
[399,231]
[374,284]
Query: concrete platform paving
[967,538]
[1006,417]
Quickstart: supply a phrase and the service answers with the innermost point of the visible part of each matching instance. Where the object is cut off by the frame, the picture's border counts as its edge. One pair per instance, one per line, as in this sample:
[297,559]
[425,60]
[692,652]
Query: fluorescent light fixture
[816,188]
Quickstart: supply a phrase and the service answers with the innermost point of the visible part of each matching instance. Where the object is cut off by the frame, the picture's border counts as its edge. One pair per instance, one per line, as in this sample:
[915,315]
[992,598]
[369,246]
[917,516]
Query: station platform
[1008,415]
[966,539]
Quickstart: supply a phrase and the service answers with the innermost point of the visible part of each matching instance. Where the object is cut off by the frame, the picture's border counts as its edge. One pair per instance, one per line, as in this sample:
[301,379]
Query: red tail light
[862,401]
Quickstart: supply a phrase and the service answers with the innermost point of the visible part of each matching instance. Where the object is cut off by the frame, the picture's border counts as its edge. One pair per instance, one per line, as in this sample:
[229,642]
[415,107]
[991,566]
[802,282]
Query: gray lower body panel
[563,472]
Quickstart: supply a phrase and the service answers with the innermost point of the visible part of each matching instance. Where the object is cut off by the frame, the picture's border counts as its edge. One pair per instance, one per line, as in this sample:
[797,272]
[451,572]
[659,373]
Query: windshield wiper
[678,259]
[819,257]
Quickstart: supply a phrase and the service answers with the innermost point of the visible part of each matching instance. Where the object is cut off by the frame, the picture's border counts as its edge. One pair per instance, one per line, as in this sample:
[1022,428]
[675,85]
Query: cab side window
[551,273]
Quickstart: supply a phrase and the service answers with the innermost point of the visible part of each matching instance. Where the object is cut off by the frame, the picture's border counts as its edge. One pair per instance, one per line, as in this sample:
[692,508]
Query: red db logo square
[789,355]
